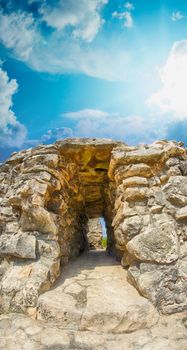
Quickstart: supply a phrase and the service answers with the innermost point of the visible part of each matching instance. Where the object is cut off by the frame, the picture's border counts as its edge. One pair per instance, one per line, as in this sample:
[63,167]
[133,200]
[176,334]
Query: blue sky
[92,68]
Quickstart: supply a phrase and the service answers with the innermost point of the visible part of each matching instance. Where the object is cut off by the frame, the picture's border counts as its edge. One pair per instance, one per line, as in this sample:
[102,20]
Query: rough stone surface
[156,244]
[92,307]
[23,282]
[25,333]
[93,294]
[48,194]
[181,214]
[20,245]
[94,234]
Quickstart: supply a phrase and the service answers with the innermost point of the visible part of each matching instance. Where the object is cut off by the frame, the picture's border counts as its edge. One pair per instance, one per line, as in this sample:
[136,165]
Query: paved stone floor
[92,306]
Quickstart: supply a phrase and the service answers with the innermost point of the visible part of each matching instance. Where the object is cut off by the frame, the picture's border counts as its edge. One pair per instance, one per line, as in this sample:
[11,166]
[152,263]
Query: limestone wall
[150,220]
[39,225]
[48,193]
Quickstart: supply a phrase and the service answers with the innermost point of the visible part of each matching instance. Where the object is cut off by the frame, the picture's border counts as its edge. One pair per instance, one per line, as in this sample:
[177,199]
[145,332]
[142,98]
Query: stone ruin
[94,234]
[50,193]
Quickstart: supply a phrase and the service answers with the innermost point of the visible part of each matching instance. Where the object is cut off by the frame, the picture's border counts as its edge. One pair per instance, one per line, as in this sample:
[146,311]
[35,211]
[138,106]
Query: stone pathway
[93,294]
[92,307]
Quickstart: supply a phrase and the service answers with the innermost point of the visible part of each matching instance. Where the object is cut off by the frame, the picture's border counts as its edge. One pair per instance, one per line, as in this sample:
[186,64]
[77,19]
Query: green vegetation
[104,242]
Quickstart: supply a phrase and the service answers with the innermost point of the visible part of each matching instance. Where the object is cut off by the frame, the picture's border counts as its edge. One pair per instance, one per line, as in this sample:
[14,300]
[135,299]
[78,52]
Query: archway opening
[104,233]
[90,198]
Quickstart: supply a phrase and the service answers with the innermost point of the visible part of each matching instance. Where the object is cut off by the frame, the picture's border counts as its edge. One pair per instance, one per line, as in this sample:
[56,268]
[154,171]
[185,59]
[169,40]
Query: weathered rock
[22,283]
[49,192]
[48,249]
[32,187]
[132,226]
[156,197]
[183,167]
[149,277]
[94,234]
[135,181]
[173,161]
[177,199]
[123,172]
[123,212]
[174,171]
[12,227]
[37,335]
[158,244]
[136,194]
[181,214]
[51,160]
[176,190]
[38,219]
[20,245]
[156,209]
[97,299]
[143,155]
[183,250]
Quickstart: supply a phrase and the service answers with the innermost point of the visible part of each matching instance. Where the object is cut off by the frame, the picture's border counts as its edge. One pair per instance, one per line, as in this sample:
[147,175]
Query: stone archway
[49,192]
[91,195]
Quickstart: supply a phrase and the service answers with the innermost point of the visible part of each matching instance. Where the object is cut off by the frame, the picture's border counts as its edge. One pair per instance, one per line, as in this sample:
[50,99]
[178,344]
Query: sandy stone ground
[92,306]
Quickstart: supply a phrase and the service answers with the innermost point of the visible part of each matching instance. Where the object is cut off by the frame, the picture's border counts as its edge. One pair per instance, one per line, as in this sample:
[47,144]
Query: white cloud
[171,97]
[129,6]
[12,132]
[56,134]
[96,123]
[50,136]
[177,16]
[126,17]
[128,21]
[86,113]
[106,62]
[83,17]
[63,53]
[18,31]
